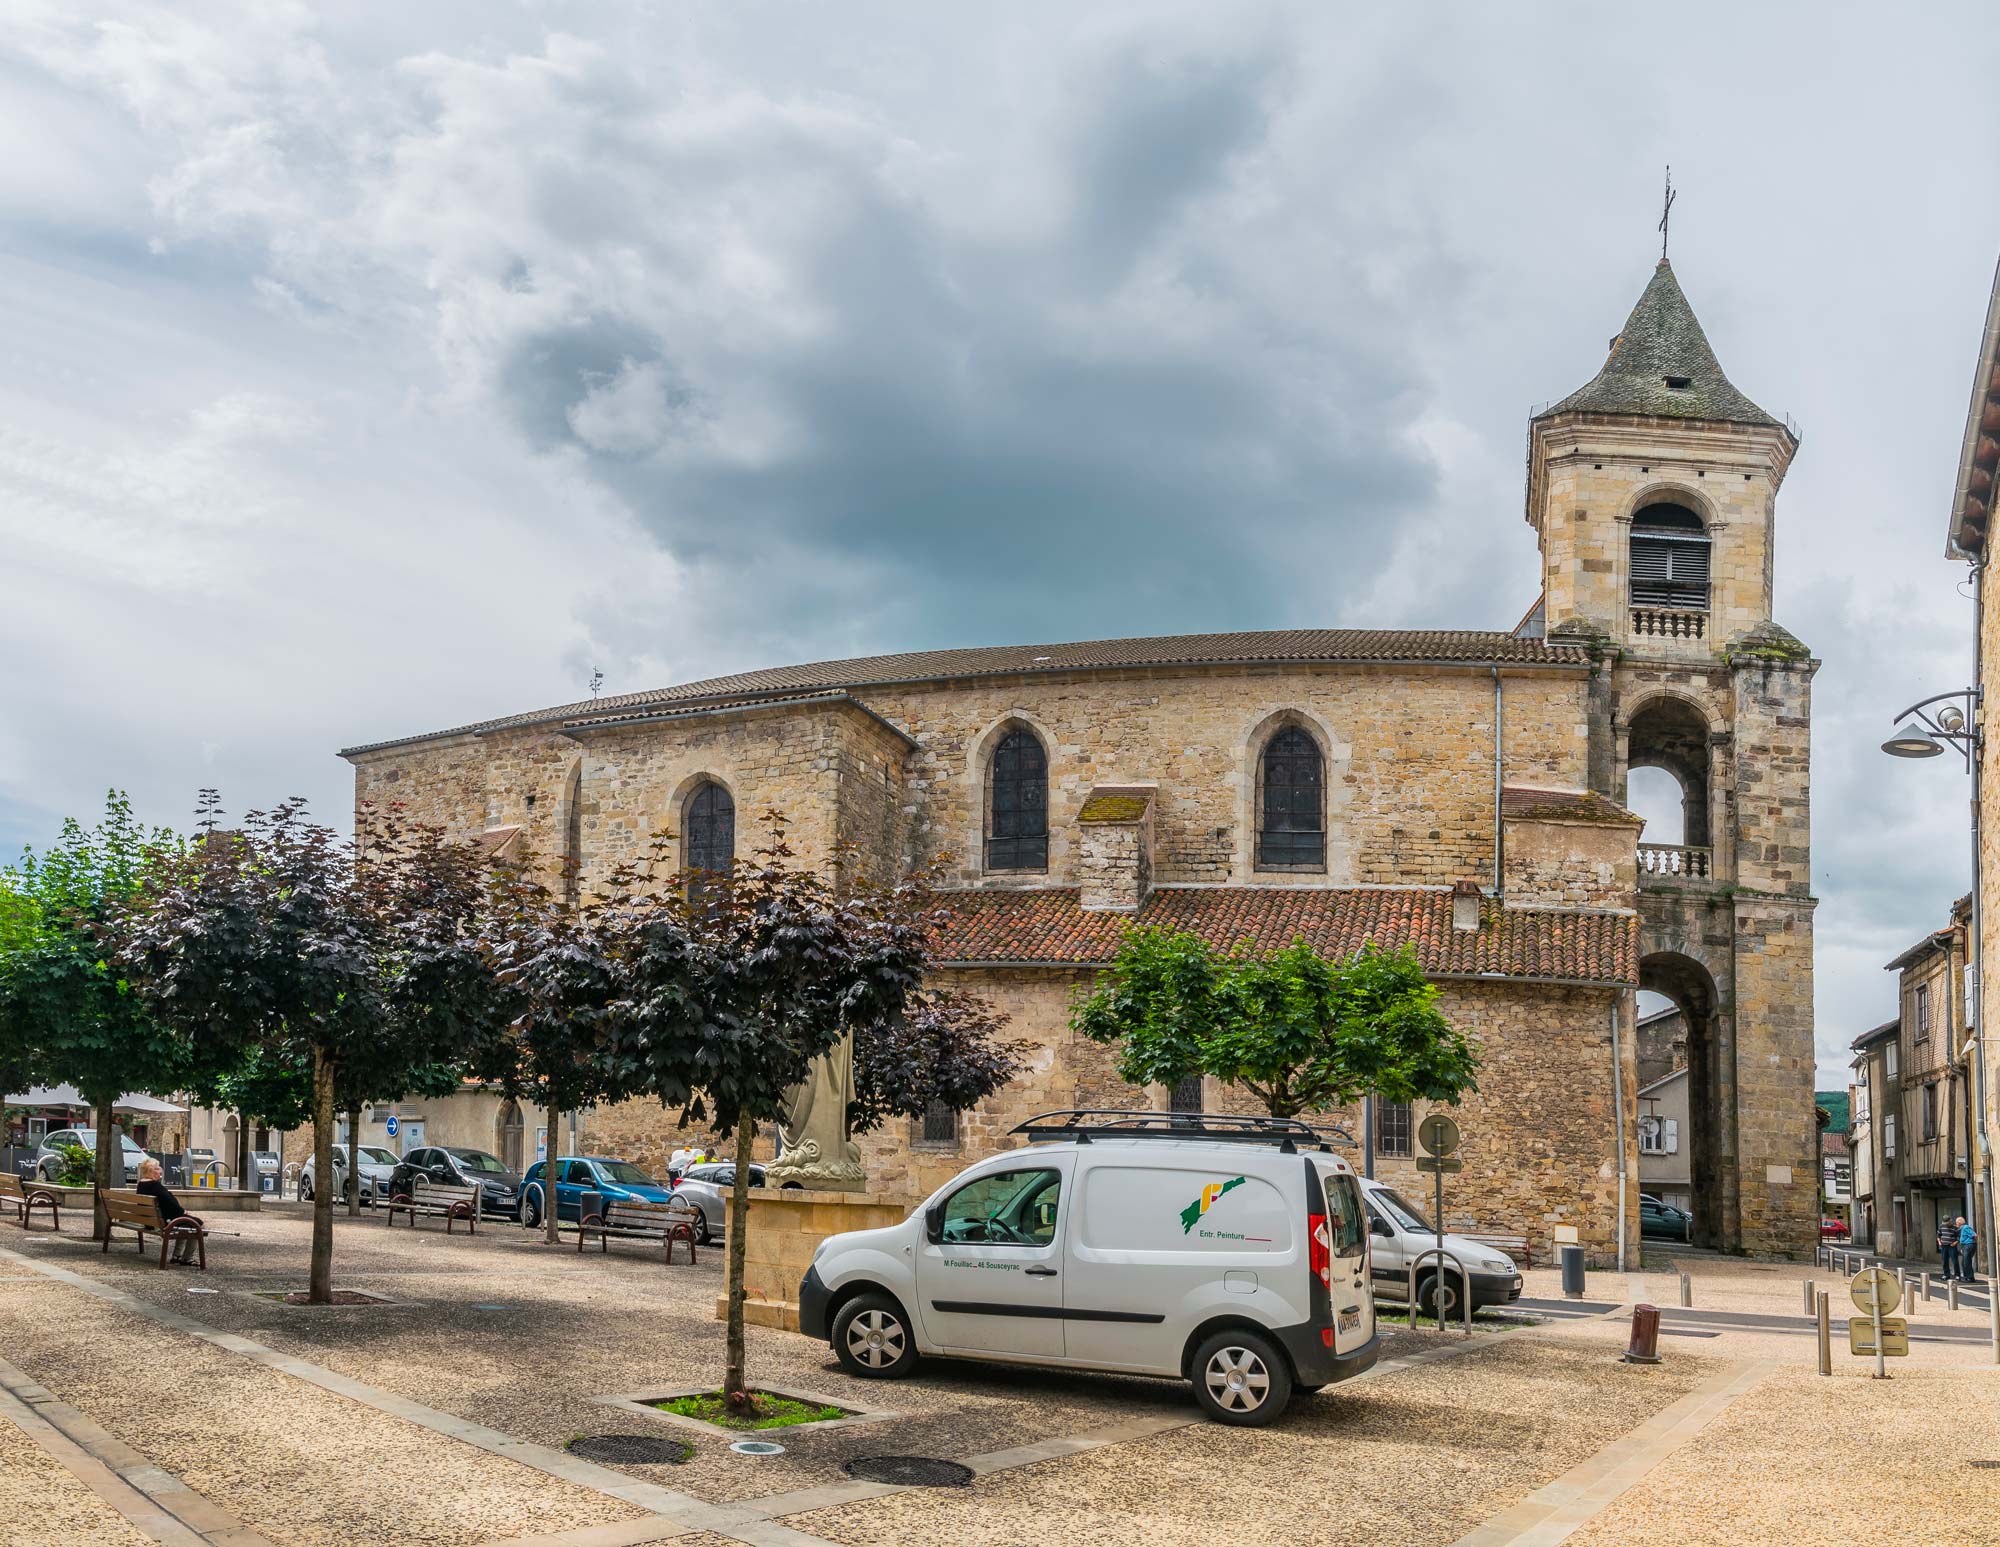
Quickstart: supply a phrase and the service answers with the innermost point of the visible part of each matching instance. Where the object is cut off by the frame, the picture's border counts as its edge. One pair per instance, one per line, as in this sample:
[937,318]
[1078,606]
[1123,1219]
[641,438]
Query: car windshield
[623,1171]
[1398,1208]
[375,1153]
[477,1160]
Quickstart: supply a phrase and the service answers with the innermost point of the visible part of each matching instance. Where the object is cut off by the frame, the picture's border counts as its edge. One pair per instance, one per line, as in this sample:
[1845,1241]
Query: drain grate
[629,1449]
[1991,1466]
[910,1471]
[1683,1332]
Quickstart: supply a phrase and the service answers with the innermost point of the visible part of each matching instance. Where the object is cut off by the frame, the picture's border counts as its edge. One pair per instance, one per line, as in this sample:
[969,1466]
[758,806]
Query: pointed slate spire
[1661,365]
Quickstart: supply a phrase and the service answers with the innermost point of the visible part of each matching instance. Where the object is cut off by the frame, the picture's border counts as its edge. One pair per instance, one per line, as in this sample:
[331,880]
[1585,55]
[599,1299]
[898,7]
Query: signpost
[1438,1135]
[1876,1291]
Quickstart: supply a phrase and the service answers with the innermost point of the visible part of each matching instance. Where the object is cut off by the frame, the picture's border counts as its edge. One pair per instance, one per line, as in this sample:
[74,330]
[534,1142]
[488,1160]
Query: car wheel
[872,1338]
[531,1211]
[701,1230]
[1241,1379]
[305,1189]
[1428,1292]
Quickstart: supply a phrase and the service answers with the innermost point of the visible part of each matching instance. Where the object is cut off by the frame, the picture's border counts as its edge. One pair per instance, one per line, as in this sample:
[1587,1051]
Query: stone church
[1459,790]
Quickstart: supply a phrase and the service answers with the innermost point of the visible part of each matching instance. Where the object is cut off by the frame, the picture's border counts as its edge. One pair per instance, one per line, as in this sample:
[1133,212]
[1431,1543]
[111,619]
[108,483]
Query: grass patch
[772,1412]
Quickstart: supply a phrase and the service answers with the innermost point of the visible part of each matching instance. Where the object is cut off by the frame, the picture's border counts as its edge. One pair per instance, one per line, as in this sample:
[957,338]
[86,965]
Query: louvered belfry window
[711,830]
[1669,559]
[1291,829]
[1017,821]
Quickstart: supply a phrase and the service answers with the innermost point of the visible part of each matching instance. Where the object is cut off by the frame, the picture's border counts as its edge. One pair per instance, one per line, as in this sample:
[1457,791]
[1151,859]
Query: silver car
[377,1164]
[707,1187]
[49,1161]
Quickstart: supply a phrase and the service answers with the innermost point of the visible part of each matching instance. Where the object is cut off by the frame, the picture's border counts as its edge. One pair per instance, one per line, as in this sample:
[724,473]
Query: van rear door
[1346,1248]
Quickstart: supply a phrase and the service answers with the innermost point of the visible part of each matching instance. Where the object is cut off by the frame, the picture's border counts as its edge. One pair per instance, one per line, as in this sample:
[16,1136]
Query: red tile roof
[1051,927]
[1264,647]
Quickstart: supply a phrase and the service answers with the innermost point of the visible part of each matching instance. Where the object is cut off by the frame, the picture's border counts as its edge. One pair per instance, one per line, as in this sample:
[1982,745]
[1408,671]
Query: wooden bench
[454,1203]
[1515,1246]
[27,1198]
[136,1211]
[633,1220]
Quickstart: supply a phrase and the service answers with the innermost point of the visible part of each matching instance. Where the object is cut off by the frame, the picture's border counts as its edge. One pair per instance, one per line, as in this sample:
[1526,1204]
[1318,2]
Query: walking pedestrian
[1947,1244]
[1968,1251]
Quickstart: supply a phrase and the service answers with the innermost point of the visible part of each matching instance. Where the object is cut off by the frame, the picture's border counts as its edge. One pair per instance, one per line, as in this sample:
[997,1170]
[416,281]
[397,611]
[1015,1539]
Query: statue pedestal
[786,1227]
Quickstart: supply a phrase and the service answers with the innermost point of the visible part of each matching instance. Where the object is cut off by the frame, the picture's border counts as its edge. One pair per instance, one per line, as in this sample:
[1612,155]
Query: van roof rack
[1085,1123]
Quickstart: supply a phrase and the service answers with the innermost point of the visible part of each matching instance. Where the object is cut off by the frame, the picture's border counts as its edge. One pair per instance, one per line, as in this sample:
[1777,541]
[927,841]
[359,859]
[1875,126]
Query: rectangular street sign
[1895,1337]
[1445,1163]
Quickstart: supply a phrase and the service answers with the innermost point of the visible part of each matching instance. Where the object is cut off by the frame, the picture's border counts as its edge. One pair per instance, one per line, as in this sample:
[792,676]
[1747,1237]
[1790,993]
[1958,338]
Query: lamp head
[1952,719]
[1912,744]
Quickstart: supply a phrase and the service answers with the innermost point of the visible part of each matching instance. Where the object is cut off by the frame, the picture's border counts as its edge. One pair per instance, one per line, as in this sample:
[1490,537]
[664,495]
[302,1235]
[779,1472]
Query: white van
[1229,1251]
[1400,1233]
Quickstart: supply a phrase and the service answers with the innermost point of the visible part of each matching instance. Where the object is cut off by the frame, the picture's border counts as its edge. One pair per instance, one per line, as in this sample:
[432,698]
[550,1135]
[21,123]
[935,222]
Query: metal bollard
[1809,1297]
[1687,1289]
[1643,1347]
[1825,1338]
[1993,1309]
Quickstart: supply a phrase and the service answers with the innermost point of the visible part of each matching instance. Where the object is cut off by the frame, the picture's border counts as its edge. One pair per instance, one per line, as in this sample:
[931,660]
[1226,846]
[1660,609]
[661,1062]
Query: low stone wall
[786,1227]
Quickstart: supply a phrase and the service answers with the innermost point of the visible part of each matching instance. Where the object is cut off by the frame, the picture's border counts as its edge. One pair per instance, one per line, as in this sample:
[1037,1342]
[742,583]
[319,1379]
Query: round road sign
[1438,1134]
[391,1124]
[1875,1288]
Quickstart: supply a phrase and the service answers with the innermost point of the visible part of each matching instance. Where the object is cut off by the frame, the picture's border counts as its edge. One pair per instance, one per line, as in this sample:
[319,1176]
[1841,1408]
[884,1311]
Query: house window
[1922,1013]
[1017,814]
[1889,1060]
[1889,1136]
[1187,1095]
[1392,1128]
[1291,827]
[1930,1112]
[711,838]
[1669,559]
[938,1127]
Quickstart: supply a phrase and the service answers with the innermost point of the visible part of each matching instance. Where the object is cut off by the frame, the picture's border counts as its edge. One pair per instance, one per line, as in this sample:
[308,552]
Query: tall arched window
[711,830]
[1669,559]
[1017,805]
[1291,820]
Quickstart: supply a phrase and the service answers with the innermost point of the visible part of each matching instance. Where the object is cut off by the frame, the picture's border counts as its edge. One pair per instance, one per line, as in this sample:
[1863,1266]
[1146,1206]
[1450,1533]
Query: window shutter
[1669,571]
[1673,1136]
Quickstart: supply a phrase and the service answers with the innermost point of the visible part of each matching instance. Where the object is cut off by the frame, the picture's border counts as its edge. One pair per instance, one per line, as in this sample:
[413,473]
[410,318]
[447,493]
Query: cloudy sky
[369,368]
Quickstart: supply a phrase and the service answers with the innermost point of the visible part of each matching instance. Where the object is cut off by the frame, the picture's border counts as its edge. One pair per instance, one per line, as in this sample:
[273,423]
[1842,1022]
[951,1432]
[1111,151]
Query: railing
[1669,623]
[1674,859]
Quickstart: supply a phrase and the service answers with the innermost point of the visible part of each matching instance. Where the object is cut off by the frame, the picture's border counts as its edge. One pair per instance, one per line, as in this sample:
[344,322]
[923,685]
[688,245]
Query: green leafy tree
[67,1012]
[1299,1031]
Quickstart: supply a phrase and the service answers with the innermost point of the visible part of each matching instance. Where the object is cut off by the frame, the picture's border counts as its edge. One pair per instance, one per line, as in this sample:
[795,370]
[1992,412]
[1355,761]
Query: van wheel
[871,1337]
[1427,1295]
[1240,1378]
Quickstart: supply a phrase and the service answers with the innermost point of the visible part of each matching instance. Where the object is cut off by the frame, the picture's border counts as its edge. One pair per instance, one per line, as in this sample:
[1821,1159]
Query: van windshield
[1400,1210]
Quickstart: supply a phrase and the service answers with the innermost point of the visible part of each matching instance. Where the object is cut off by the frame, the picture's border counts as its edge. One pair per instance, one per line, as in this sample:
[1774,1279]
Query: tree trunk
[353,1160]
[550,1176]
[241,1160]
[108,1151]
[320,1289]
[734,1392]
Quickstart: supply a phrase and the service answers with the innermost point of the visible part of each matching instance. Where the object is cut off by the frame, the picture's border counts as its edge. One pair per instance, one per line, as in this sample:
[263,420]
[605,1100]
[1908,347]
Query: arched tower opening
[1698,1146]
[1668,782]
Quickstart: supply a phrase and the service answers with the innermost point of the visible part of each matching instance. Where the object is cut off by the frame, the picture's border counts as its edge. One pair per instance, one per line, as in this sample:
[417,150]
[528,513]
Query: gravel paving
[1417,1457]
[299,1464]
[42,1505]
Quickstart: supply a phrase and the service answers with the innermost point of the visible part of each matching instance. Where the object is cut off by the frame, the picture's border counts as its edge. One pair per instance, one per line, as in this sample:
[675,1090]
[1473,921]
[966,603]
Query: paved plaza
[182,1408]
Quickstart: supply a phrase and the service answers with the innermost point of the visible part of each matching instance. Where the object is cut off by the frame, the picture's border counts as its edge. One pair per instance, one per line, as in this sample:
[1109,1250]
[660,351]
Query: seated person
[169,1206]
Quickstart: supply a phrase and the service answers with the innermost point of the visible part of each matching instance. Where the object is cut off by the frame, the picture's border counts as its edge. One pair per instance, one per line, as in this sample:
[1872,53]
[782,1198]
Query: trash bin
[1572,1272]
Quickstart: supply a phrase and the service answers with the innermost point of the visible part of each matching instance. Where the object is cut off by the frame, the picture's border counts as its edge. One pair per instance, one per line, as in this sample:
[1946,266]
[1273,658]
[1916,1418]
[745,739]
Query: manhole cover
[631,1449]
[910,1471]
[757,1448]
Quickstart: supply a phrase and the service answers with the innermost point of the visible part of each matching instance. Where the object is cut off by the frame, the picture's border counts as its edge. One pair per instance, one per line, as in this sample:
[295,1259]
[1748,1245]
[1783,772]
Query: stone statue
[813,1147]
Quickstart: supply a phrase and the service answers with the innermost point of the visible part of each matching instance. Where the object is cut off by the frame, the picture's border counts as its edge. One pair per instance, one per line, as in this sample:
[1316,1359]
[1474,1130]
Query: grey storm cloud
[378,368]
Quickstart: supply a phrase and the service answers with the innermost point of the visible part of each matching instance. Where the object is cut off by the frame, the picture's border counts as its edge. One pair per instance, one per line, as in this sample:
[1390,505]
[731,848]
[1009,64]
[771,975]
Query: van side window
[1008,1208]
[1345,1217]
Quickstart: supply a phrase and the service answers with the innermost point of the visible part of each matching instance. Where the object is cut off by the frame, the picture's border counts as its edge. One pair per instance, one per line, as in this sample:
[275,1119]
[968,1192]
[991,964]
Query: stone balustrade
[1675,859]
[1669,623]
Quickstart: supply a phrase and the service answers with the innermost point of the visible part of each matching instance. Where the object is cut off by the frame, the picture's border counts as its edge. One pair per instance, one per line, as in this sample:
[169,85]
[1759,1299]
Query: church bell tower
[1653,493]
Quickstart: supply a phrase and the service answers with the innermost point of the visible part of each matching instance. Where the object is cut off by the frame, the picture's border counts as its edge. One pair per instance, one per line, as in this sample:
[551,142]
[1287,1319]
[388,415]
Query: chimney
[1115,847]
[1465,907]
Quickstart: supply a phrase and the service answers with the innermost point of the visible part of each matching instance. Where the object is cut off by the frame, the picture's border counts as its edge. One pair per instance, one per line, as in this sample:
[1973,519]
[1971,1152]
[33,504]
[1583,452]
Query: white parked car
[377,1166]
[1402,1233]
[1227,1251]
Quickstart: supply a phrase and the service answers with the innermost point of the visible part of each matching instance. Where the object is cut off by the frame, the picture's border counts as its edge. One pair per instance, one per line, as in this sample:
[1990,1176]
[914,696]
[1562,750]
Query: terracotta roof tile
[1051,927]
[1271,646]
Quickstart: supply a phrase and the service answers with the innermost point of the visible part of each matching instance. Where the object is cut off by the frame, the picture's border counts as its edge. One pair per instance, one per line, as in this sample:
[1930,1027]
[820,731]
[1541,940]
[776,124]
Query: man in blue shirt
[1968,1252]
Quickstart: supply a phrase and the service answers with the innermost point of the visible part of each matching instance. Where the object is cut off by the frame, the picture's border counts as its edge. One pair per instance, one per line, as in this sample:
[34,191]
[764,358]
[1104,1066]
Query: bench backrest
[131,1208]
[648,1216]
[10,1185]
[442,1192]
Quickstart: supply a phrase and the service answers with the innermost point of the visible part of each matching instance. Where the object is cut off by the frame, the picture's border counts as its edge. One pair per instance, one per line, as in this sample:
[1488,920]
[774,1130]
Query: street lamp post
[1954,717]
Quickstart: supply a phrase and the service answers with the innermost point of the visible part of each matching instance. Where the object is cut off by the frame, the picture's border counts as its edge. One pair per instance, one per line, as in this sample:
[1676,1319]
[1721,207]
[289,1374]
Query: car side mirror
[1381,1227]
[934,1223]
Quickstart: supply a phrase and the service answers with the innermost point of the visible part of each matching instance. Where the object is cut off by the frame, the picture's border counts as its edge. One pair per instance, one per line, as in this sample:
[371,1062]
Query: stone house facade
[1881,1219]
[1932,1093]
[1458,791]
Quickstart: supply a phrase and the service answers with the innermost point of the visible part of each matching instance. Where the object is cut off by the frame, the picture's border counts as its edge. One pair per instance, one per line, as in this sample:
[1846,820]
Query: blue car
[616,1180]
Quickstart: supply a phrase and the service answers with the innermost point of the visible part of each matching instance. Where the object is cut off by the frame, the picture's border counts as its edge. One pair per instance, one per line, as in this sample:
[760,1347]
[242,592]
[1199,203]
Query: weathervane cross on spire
[1666,213]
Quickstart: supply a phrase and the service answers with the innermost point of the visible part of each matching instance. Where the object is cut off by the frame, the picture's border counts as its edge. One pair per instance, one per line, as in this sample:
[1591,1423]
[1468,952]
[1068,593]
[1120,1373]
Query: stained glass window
[1291,832]
[1017,823]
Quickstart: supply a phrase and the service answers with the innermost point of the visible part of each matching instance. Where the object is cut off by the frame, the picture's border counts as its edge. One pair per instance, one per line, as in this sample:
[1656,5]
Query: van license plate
[1350,1318]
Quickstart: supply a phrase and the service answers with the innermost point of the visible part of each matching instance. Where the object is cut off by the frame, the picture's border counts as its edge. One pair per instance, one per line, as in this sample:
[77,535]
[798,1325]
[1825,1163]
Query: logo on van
[1209,1194]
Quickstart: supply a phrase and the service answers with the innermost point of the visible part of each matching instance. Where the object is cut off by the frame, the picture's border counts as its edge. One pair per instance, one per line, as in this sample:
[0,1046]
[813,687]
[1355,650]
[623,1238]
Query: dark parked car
[1663,1222]
[454,1165]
